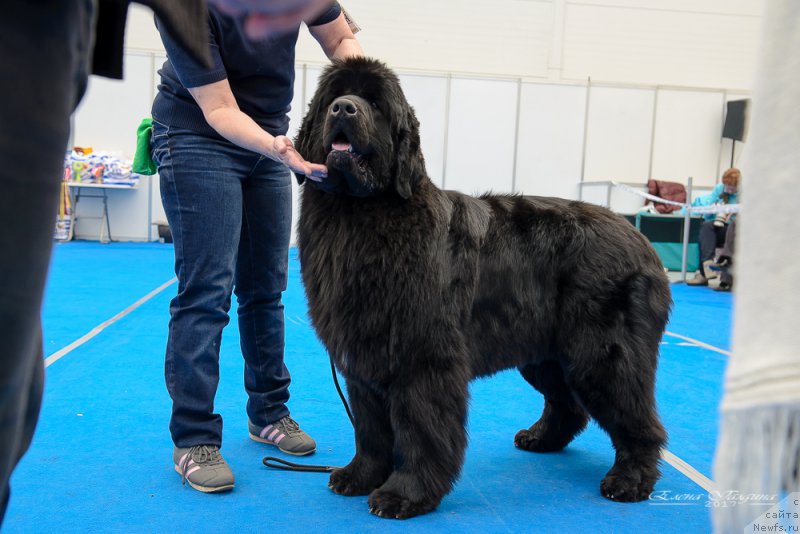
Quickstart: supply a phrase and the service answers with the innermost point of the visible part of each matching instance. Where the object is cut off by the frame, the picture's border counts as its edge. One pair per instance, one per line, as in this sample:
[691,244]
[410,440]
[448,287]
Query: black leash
[278,463]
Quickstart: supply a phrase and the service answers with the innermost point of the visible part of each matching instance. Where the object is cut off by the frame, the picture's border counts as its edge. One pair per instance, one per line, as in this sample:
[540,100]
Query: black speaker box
[736,120]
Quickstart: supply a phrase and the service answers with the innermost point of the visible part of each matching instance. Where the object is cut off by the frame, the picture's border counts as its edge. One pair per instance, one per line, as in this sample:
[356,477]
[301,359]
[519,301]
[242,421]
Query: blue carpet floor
[101,458]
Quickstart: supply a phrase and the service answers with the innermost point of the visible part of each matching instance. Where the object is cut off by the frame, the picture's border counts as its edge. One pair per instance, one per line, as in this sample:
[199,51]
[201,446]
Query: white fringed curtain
[759,445]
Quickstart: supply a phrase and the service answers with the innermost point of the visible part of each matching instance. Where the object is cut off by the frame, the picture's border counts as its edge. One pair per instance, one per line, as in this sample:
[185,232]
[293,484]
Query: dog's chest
[362,276]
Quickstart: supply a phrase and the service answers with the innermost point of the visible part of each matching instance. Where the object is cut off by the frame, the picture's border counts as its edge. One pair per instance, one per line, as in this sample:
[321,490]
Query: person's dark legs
[45,47]
[726,276]
[710,238]
[730,240]
[261,274]
[201,190]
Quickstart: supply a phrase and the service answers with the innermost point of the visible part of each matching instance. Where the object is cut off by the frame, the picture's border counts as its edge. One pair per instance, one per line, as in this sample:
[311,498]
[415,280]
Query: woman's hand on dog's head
[285,152]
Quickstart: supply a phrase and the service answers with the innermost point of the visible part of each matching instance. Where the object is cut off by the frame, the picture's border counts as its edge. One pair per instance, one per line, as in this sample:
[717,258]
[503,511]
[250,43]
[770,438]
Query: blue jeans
[230,213]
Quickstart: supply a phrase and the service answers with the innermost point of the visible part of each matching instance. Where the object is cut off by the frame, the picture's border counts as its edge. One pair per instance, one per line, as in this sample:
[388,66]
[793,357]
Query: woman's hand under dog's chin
[285,152]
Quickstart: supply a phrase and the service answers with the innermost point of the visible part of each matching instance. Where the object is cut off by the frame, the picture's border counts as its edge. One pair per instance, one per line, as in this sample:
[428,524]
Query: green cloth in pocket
[143,160]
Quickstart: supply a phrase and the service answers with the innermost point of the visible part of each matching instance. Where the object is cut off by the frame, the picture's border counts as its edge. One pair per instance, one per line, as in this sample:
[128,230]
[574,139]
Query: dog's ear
[309,138]
[410,164]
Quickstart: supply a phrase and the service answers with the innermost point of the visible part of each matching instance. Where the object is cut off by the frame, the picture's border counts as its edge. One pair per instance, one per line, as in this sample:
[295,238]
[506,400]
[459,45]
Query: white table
[81,189]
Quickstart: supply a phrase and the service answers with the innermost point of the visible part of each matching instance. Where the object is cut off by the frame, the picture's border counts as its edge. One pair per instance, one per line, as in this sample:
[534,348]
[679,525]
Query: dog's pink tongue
[340,146]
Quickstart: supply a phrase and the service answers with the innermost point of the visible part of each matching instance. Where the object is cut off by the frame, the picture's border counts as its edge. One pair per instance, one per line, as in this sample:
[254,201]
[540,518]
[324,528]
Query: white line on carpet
[683,467]
[102,326]
[700,343]
[690,472]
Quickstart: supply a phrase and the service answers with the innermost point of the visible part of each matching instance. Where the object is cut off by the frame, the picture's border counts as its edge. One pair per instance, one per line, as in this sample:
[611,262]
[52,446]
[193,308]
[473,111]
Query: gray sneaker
[204,468]
[285,434]
[698,280]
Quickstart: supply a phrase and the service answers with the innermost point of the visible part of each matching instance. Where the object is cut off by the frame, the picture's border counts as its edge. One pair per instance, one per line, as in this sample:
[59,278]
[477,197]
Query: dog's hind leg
[562,418]
[372,463]
[618,393]
[428,413]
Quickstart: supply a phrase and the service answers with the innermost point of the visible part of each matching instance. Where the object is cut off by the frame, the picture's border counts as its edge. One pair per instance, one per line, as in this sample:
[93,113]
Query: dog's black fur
[415,291]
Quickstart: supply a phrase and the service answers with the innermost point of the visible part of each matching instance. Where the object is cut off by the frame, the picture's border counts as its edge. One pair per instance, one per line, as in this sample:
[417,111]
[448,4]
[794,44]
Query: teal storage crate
[665,233]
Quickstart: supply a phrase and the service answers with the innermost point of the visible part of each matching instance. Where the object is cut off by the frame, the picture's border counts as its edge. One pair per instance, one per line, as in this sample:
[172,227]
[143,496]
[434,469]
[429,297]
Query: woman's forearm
[241,130]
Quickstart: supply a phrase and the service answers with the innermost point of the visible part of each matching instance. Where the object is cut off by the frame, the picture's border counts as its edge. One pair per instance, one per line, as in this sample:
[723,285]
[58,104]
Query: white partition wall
[619,132]
[468,36]
[305,84]
[107,120]
[428,96]
[550,142]
[688,129]
[312,76]
[480,136]
[703,43]
[112,109]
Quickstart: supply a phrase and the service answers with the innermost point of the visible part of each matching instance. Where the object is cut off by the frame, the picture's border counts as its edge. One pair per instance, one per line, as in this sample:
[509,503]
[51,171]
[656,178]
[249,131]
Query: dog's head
[361,127]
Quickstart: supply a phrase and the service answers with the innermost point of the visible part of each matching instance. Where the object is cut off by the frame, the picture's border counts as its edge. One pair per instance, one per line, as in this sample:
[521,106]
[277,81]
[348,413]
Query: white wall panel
[480,147]
[299,103]
[687,136]
[111,110]
[660,47]
[617,200]
[550,140]
[707,43]
[720,7]
[107,120]
[312,76]
[428,96]
[141,29]
[504,37]
[618,134]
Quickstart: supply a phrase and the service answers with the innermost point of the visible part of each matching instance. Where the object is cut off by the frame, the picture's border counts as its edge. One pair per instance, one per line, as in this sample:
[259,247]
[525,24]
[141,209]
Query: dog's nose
[343,107]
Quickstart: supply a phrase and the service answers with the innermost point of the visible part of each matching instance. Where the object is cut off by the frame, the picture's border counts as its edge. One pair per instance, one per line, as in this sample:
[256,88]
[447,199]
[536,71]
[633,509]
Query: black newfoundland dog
[415,291]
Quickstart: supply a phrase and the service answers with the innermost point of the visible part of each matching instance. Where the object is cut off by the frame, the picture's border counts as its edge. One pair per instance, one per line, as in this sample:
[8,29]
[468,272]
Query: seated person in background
[715,227]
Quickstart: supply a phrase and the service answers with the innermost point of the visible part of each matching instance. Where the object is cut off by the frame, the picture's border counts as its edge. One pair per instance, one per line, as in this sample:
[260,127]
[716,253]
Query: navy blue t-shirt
[261,74]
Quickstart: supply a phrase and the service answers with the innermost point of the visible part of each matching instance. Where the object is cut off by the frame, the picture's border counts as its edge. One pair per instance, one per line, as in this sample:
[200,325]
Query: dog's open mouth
[341,146]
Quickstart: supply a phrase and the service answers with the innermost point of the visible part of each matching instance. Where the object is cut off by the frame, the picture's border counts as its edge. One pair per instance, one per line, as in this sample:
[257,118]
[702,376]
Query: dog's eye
[374,104]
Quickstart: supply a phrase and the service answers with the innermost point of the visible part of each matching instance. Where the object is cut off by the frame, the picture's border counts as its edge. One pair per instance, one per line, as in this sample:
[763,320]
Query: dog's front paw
[392,505]
[626,488]
[352,481]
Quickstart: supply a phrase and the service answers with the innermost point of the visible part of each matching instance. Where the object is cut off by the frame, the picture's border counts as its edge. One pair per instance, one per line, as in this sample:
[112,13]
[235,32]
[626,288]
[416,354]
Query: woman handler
[224,163]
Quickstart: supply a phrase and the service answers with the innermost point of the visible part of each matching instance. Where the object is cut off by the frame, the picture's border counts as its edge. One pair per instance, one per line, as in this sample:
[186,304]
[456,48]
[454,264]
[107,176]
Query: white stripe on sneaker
[264,432]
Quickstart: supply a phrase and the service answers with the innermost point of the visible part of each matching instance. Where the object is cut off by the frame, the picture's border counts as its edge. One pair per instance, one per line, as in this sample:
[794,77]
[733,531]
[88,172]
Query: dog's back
[545,266]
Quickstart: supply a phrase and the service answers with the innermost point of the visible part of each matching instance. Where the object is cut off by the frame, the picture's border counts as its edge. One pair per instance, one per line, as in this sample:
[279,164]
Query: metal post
[687,219]
[106,217]
[585,134]
[150,209]
[446,128]
[653,135]
[516,137]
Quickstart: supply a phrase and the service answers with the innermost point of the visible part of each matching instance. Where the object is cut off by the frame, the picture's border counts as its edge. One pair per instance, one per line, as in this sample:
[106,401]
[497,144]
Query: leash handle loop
[277,463]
